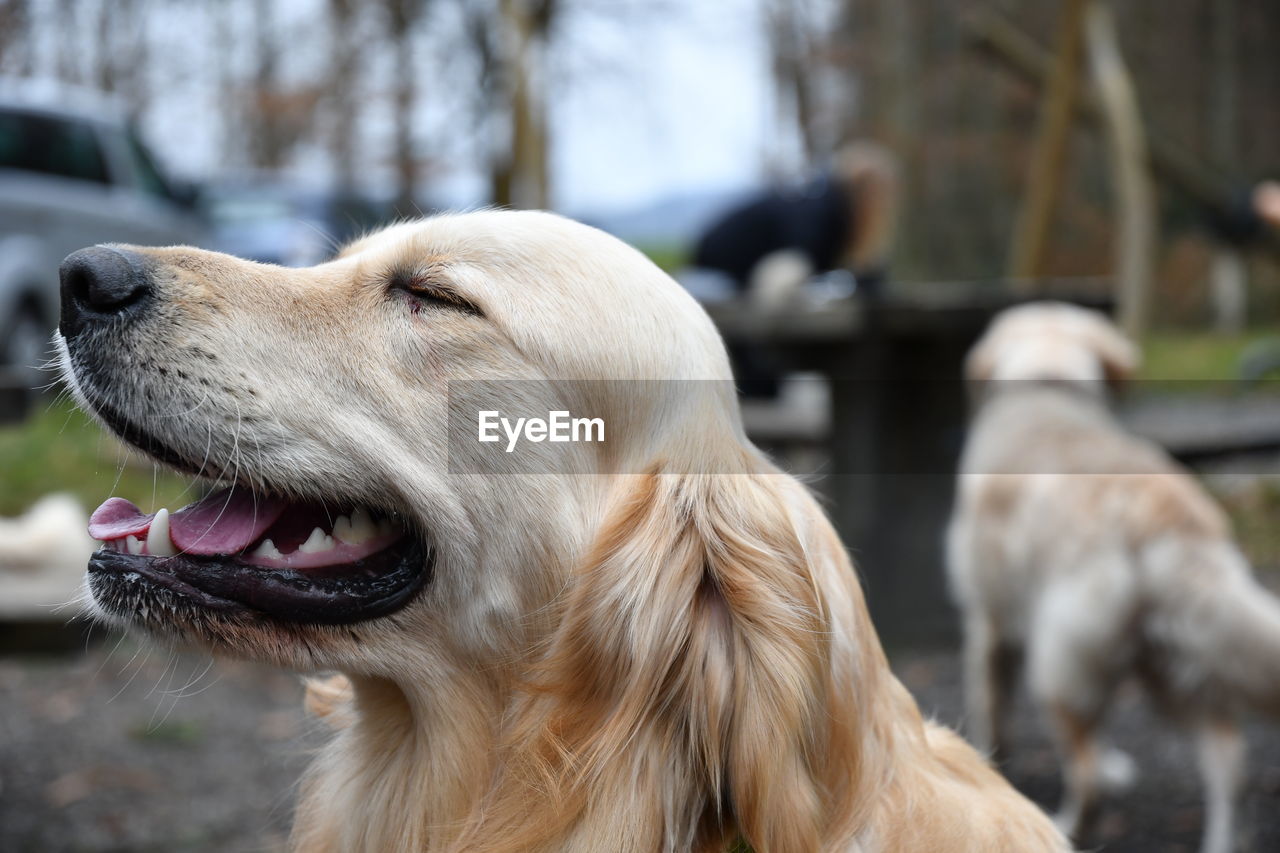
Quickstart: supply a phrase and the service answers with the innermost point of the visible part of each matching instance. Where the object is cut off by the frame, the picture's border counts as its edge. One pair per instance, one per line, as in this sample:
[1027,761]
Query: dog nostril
[103,280]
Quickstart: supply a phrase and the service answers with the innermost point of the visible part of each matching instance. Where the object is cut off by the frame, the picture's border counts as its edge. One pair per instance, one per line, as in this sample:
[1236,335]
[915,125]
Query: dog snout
[99,283]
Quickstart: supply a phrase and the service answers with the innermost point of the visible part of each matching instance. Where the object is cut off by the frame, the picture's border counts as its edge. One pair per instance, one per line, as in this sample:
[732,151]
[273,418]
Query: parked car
[73,172]
[273,221]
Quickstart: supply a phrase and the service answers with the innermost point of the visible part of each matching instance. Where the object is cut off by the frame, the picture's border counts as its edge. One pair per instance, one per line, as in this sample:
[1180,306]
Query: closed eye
[430,291]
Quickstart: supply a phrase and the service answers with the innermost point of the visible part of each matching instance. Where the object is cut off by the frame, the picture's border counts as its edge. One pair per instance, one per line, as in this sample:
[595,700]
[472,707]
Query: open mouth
[235,550]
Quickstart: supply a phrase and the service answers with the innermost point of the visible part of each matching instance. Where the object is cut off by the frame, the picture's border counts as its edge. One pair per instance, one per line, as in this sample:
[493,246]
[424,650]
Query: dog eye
[426,291]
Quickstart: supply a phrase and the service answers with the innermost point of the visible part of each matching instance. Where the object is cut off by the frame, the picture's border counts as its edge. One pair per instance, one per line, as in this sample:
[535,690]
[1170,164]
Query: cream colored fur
[664,653]
[1092,555]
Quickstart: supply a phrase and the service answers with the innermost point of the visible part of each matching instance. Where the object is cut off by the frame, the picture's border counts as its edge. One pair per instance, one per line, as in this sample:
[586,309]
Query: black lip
[377,585]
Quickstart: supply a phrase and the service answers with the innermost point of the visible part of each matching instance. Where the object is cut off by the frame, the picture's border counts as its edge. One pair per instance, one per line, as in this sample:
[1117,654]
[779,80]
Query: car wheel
[24,347]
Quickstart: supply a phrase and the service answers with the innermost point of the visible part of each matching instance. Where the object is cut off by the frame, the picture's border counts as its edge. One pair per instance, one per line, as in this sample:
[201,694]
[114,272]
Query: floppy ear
[1120,358]
[692,679]
[980,363]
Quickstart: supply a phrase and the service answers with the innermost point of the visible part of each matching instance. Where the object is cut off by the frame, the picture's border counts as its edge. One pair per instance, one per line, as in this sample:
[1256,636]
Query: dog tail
[1214,628]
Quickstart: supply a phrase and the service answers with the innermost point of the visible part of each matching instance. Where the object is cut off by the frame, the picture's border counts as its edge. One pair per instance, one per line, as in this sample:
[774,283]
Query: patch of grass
[669,258]
[1254,512]
[169,732]
[59,449]
[1197,356]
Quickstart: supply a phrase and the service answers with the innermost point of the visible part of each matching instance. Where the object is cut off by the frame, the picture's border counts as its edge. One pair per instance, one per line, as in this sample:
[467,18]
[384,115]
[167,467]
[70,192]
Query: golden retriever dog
[1094,553]
[656,643]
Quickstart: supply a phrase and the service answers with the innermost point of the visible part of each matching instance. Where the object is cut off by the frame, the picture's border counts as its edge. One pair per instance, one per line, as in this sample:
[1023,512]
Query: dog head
[1052,341]
[665,589]
[321,399]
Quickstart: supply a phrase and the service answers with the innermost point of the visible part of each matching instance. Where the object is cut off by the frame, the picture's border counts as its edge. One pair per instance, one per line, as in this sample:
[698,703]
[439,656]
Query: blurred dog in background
[1099,557]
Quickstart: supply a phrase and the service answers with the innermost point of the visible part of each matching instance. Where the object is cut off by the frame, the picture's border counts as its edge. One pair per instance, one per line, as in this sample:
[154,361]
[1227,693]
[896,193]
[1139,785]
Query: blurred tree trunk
[482,29]
[1228,274]
[104,73]
[792,51]
[1048,159]
[526,25]
[123,52]
[276,119]
[230,91]
[882,39]
[1130,174]
[346,38]
[1223,114]
[402,15]
[67,45]
[15,36]
[267,149]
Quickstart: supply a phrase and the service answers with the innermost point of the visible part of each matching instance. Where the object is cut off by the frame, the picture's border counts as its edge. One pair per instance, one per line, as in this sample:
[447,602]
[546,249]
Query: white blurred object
[43,554]
[833,286]
[778,280]
[1229,289]
[52,533]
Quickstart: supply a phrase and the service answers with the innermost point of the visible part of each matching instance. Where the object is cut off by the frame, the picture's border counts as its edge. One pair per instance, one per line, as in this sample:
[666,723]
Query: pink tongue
[224,522]
[118,518]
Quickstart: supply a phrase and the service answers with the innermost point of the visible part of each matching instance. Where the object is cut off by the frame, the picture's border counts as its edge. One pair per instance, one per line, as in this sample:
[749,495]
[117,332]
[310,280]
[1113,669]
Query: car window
[145,172]
[248,209]
[51,146]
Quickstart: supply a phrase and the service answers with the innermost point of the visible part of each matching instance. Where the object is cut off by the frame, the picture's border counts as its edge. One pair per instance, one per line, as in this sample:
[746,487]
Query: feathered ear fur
[1120,358]
[691,693]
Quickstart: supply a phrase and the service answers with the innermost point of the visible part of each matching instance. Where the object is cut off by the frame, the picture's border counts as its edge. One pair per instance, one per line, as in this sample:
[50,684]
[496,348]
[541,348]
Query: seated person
[1251,213]
[773,242]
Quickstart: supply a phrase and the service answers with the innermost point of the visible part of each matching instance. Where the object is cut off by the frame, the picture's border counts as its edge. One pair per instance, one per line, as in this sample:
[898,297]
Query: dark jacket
[814,219]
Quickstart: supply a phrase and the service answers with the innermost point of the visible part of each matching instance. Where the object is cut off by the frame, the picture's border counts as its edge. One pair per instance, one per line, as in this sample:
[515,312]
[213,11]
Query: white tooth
[316,542]
[342,529]
[133,544]
[158,542]
[362,528]
[267,549]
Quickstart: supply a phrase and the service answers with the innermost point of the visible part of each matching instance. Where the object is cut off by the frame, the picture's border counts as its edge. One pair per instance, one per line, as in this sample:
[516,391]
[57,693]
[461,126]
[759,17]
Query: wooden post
[1134,204]
[1169,162]
[1048,158]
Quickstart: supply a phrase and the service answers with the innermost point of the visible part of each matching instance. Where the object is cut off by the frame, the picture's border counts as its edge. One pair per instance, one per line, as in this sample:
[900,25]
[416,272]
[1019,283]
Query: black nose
[100,283]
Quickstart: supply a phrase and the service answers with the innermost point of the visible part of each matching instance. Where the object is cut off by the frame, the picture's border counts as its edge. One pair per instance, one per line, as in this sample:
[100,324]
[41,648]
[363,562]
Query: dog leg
[990,675]
[1221,752]
[1077,739]
[979,653]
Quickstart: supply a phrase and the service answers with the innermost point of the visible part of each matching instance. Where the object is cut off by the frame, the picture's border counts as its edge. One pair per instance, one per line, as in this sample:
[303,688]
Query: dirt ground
[129,748]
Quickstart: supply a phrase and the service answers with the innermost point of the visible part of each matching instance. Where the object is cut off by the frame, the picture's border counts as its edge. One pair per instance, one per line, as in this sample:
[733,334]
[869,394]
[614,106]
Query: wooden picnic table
[898,411]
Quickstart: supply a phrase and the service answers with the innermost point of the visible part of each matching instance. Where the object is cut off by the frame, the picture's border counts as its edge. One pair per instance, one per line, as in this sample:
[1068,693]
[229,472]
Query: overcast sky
[690,108]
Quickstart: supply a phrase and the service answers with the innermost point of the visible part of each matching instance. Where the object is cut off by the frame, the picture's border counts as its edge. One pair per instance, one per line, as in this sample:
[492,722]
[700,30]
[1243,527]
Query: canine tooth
[317,541]
[267,549]
[361,530]
[133,545]
[158,542]
[342,529]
